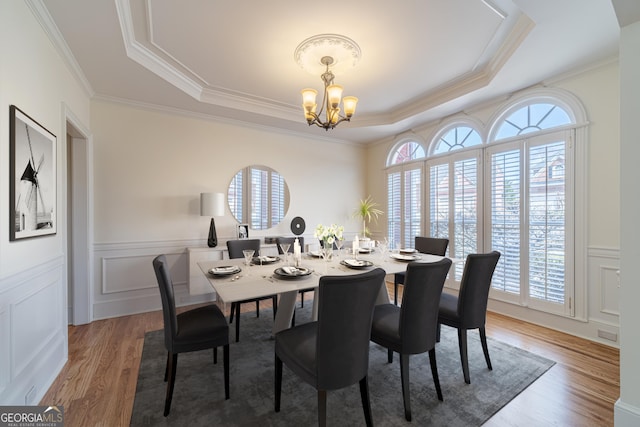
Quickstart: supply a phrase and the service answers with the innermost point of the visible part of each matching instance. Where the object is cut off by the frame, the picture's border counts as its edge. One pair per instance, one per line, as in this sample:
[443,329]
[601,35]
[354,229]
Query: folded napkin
[226,269]
[266,258]
[291,270]
[354,262]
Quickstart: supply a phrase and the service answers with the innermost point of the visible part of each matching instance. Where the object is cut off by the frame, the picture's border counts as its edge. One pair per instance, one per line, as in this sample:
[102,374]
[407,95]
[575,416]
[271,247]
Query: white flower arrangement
[329,234]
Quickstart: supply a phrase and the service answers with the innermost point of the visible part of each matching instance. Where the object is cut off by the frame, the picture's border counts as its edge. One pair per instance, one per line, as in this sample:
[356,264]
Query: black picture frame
[243,231]
[32,178]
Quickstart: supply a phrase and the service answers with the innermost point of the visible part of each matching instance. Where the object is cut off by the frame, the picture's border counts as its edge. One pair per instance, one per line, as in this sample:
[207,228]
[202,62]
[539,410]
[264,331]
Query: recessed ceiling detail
[498,35]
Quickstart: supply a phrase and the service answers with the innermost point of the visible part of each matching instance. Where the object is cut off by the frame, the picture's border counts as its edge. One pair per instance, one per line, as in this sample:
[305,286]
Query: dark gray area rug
[198,398]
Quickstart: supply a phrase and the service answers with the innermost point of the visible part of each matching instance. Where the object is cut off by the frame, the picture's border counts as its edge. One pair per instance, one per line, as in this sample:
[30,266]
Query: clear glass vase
[327,250]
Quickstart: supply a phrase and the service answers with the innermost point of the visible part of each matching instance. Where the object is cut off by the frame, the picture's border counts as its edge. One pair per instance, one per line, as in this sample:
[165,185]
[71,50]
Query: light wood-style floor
[97,385]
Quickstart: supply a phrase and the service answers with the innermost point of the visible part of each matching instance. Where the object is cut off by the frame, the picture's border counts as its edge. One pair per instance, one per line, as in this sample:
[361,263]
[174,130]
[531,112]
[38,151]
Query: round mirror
[258,196]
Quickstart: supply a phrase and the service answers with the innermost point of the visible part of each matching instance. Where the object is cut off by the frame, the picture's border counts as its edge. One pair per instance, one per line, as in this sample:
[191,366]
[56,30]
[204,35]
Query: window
[530,205]
[404,192]
[453,203]
[404,189]
[522,192]
[457,138]
[454,190]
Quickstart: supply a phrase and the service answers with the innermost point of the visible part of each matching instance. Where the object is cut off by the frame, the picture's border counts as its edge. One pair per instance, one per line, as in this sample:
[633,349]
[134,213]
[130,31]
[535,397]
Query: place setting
[264,260]
[356,264]
[291,272]
[225,270]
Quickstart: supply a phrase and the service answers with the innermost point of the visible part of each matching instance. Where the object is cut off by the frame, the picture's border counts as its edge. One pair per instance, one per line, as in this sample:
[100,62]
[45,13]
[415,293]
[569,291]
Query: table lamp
[212,204]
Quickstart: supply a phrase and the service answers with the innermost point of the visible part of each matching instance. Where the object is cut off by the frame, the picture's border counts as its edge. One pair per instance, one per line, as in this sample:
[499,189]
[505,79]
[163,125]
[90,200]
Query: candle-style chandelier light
[332,50]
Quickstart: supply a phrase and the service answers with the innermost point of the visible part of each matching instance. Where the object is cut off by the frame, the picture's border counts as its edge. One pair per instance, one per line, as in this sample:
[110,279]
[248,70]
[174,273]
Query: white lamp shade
[212,204]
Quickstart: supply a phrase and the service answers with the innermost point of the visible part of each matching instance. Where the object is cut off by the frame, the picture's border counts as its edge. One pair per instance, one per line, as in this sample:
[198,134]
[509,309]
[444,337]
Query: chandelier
[333,50]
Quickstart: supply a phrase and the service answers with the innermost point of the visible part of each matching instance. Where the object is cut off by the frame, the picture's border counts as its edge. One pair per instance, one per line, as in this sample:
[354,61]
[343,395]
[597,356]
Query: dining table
[234,280]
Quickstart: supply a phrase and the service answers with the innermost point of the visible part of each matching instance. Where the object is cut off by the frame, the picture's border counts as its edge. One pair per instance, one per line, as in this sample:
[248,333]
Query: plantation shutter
[547,201]
[465,210]
[412,206]
[505,217]
[394,208]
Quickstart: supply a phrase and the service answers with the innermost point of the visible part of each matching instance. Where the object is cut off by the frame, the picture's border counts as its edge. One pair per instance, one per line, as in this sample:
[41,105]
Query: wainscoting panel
[124,280]
[4,343]
[604,287]
[32,330]
[33,326]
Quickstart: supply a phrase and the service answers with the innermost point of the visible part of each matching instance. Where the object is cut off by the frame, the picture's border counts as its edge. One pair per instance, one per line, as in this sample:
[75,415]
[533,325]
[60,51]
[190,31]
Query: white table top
[256,281]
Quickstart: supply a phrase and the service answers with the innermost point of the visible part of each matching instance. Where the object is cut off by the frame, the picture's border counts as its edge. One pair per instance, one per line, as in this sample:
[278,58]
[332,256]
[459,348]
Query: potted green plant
[366,211]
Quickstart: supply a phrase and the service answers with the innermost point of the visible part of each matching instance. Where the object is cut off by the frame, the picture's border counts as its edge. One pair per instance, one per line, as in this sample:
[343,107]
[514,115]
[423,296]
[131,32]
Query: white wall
[149,170]
[33,295]
[627,409]
[598,90]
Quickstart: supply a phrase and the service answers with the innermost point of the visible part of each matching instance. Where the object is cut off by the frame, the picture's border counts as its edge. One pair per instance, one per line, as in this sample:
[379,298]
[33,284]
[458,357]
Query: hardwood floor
[97,385]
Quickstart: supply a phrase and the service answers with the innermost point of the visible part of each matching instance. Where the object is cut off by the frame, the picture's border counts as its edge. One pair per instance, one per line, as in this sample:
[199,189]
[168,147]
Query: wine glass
[284,247]
[382,247]
[248,255]
[339,243]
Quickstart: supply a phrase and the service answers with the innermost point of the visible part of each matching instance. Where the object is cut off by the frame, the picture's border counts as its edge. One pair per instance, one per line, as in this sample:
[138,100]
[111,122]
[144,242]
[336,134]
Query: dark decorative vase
[212,241]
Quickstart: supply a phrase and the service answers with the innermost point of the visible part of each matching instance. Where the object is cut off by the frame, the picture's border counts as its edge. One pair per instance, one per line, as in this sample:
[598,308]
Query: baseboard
[625,415]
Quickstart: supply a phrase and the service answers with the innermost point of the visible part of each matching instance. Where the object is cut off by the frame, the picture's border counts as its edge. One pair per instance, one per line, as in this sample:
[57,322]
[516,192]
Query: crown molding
[43,17]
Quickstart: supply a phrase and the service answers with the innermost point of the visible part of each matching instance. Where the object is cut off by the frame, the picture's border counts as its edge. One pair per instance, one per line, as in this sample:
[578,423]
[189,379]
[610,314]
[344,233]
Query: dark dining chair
[235,248]
[425,245]
[411,328]
[290,240]
[468,309]
[193,330]
[333,352]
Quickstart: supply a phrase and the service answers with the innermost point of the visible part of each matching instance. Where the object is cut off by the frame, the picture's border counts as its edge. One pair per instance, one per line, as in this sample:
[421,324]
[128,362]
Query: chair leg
[438,332]
[225,357]
[278,383]
[322,408]
[166,368]
[172,379]
[366,403]
[237,322]
[301,299]
[485,349]
[257,308]
[462,343]
[215,355]
[389,356]
[404,379]
[395,293]
[434,373]
[274,300]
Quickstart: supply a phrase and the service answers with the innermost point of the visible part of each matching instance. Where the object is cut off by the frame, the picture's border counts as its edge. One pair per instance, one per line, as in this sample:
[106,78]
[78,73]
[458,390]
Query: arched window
[531,117]
[404,190]
[454,187]
[456,138]
[530,203]
[405,152]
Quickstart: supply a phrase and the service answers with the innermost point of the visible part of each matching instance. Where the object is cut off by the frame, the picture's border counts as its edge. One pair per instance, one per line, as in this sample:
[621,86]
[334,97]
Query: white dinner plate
[403,257]
[225,270]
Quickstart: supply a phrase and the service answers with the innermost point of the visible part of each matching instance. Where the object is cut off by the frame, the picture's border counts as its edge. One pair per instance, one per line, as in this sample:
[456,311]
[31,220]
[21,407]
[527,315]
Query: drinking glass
[339,243]
[382,247]
[248,254]
[284,247]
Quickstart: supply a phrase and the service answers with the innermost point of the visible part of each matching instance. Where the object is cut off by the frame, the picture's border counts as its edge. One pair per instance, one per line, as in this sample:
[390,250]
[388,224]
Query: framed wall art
[32,180]
[243,231]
